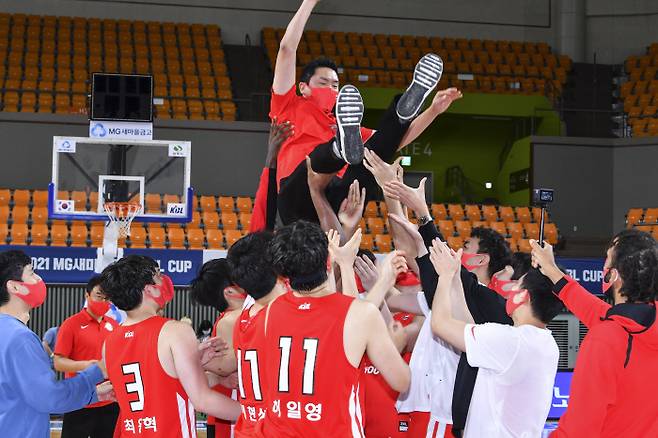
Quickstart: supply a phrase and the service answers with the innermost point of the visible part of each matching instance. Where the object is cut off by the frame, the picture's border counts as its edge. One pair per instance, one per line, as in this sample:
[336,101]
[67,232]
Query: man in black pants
[335,138]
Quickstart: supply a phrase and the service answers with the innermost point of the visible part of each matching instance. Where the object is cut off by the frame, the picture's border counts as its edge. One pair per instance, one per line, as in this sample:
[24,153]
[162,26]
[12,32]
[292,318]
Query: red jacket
[613,391]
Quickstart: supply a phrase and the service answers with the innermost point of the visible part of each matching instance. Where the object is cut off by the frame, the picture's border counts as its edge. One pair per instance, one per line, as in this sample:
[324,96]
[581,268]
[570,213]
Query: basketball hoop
[121,215]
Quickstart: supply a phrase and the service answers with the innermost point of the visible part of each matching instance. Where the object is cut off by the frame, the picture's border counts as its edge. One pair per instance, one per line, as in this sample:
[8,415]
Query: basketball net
[121,215]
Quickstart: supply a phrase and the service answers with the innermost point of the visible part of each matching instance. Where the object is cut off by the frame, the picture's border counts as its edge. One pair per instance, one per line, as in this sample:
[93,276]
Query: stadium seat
[4,231]
[78,235]
[455,242]
[176,237]
[39,198]
[215,239]
[384,243]
[375,225]
[19,234]
[226,204]
[531,230]
[157,237]
[473,213]
[39,234]
[210,219]
[21,197]
[523,214]
[244,204]
[634,216]
[524,245]
[96,233]
[39,215]
[229,221]
[371,210]
[463,229]
[59,235]
[153,203]
[137,236]
[5,196]
[19,214]
[195,239]
[4,214]
[245,221]
[367,242]
[515,230]
[208,203]
[232,236]
[551,233]
[446,228]
[456,212]
[651,216]
[506,214]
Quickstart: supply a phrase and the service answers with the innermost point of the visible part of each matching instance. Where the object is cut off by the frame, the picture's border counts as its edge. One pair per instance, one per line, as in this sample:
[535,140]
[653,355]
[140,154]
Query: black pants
[91,422]
[294,199]
[210,431]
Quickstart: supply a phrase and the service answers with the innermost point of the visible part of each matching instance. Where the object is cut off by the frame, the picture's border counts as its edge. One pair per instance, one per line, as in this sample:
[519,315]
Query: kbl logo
[176,209]
[98,130]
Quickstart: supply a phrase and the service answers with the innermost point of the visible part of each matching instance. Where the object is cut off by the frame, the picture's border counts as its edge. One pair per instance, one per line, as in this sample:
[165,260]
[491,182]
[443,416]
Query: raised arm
[344,257]
[444,324]
[441,102]
[351,210]
[286,59]
[586,306]
[317,183]
[393,265]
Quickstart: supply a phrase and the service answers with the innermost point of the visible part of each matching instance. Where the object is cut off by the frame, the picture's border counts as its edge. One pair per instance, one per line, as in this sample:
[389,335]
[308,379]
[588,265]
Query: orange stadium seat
[195,239]
[19,234]
[384,243]
[39,234]
[78,235]
[215,239]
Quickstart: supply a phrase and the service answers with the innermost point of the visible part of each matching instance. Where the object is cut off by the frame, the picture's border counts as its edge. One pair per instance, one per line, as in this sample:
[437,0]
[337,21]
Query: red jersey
[313,388]
[248,337]
[313,127]
[222,427]
[382,419]
[81,337]
[153,404]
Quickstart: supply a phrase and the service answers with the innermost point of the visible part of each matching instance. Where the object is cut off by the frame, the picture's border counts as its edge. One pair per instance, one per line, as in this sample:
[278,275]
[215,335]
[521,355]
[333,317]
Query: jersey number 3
[134,387]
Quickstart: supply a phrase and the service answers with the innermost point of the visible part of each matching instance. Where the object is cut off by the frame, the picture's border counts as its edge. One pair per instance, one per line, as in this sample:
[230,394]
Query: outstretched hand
[544,259]
[279,133]
[393,265]
[316,181]
[351,209]
[444,98]
[446,262]
[413,198]
[367,271]
[346,254]
[380,169]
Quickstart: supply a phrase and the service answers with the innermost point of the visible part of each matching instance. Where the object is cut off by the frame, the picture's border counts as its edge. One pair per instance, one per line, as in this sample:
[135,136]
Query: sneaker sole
[349,114]
[427,75]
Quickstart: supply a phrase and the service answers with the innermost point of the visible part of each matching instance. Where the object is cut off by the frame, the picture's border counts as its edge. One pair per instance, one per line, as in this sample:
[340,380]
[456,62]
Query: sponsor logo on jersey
[305,306]
[371,369]
[108,327]
[84,326]
[129,335]
[404,426]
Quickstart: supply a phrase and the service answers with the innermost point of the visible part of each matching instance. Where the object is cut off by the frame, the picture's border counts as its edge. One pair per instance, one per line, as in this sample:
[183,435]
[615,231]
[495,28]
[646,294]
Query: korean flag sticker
[65,206]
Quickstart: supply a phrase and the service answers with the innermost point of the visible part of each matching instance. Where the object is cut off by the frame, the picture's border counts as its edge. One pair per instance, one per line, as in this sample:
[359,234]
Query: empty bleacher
[218,221]
[640,92]
[509,67]
[645,219]
[46,63]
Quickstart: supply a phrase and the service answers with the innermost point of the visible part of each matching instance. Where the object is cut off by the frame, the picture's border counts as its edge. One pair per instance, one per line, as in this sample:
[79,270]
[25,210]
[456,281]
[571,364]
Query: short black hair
[367,253]
[92,283]
[521,263]
[299,252]
[635,256]
[123,282]
[249,265]
[311,67]
[203,325]
[494,244]
[12,263]
[544,303]
[207,288]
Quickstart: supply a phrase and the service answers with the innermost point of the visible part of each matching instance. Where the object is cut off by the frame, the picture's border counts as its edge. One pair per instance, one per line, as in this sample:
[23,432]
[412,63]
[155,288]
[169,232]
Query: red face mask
[36,293]
[98,308]
[467,263]
[166,291]
[606,283]
[324,98]
[511,306]
[501,287]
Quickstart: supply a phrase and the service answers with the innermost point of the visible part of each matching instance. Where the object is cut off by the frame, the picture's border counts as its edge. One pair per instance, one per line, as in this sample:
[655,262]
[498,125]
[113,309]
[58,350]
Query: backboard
[89,172]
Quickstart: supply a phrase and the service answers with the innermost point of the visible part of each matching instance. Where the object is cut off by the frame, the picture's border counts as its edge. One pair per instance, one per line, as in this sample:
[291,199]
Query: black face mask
[609,292]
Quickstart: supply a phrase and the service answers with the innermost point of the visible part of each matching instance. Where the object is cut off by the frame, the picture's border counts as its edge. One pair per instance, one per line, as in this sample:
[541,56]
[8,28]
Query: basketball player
[153,363]
[517,364]
[315,340]
[213,287]
[334,140]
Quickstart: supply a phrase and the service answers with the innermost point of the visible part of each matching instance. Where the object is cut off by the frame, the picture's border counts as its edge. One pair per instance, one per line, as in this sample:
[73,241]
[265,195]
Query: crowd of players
[316,337]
